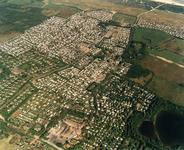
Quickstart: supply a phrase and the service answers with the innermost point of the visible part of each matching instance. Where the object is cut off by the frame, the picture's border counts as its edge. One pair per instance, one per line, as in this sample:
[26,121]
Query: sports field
[16,113]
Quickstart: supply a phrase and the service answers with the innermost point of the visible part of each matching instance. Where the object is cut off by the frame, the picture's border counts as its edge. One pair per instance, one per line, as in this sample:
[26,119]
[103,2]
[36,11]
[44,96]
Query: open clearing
[166,70]
[168,90]
[119,17]
[175,45]
[142,80]
[6,146]
[7,36]
[171,18]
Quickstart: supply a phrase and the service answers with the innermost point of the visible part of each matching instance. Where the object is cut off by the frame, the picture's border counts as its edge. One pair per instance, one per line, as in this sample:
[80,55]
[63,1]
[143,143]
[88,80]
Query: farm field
[163,69]
[176,58]
[168,90]
[175,45]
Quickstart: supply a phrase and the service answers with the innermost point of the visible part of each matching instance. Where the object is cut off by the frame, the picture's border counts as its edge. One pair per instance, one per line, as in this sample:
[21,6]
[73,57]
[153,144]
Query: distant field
[150,37]
[167,90]
[175,19]
[62,11]
[168,71]
[19,2]
[99,4]
[124,18]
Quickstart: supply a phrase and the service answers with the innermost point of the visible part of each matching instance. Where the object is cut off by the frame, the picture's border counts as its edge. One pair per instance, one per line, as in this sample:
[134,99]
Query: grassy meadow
[168,90]
[163,69]
[123,18]
[150,37]
[161,44]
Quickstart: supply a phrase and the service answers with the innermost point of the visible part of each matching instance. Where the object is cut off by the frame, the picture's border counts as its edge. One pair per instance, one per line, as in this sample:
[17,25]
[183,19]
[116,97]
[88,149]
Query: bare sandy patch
[169,2]
[169,61]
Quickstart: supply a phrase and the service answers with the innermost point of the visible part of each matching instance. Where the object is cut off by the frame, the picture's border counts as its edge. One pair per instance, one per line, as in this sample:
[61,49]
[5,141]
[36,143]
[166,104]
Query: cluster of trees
[31,17]
[173,8]
[145,4]
[31,130]
[3,127]
[137,71]
[111,22]
[134,55]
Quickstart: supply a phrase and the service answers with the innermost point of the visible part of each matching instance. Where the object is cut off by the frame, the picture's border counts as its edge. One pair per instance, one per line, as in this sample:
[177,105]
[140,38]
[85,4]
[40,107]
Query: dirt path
[146,13]
[46,3]
[166,60]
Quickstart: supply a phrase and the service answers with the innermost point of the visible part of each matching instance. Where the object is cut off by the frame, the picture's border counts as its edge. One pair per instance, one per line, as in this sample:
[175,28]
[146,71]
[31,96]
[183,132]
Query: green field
[25,66]
[123,18]
[19,2]
[168,90]
[150,37]
[161,44]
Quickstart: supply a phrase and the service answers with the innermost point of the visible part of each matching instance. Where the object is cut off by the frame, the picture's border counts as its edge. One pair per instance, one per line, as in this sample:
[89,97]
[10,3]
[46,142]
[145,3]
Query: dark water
[170,128]
[147,129]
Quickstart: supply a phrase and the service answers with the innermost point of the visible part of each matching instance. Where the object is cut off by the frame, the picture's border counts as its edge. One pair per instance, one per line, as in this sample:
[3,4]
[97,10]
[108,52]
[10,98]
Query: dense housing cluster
[71,65]
[113,109]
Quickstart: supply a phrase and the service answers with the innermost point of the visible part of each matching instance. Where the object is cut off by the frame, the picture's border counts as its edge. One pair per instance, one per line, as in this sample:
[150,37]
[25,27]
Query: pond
[147,129]
[170,128]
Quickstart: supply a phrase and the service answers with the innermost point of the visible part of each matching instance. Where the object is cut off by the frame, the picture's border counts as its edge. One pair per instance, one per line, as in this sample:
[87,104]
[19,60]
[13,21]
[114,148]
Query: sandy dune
[170,2]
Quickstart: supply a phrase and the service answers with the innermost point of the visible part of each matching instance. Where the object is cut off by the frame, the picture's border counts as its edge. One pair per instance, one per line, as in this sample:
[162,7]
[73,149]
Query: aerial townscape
[79,78]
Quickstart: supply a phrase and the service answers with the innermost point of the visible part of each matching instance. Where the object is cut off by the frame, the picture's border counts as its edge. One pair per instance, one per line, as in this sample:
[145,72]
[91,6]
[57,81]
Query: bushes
[111,22]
